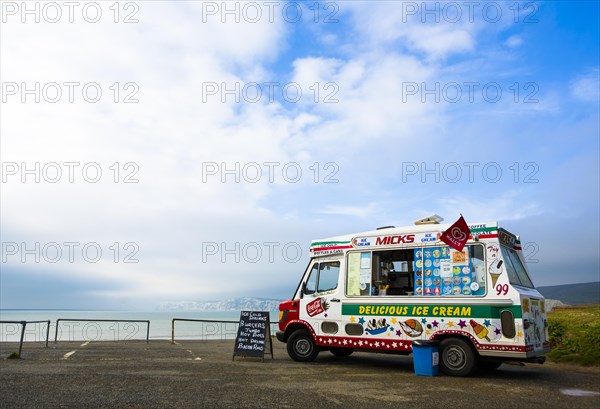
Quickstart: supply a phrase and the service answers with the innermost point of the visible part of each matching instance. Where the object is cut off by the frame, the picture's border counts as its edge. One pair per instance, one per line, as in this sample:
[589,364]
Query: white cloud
[586,87]
[353,211]
[514,41]
[440,41]
[436,34]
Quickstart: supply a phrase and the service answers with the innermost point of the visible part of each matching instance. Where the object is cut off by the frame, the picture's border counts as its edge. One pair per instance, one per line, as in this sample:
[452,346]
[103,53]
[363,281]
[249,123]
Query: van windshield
[323,277]
[515,268]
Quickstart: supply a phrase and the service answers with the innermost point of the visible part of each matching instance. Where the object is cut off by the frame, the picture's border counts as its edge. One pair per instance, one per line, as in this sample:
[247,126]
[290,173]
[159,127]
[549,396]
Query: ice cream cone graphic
[496,271]
[494,279]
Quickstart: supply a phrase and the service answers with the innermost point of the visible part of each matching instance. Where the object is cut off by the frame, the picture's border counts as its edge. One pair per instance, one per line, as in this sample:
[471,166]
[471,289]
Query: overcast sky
[161,151]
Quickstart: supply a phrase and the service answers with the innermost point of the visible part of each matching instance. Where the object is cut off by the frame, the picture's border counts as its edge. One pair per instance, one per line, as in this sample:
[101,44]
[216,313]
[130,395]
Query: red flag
[457,235]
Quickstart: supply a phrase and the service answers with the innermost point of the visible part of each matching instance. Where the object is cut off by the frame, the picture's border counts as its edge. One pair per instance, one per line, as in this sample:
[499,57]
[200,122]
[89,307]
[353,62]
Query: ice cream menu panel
[443,271]
[253,335]
[428,276]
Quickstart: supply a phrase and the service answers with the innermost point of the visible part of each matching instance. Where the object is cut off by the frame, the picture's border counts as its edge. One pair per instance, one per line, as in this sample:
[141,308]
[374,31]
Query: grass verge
[575,334]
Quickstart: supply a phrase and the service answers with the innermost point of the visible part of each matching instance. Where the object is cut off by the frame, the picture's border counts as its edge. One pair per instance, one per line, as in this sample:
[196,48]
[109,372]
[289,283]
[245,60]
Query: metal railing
[208,321]
[233,332]
[147,322]
[23,325]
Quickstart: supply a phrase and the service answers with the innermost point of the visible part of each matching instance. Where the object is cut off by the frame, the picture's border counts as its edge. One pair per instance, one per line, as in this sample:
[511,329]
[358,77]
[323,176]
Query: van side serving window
[436,271]
[323,277]
[517,274]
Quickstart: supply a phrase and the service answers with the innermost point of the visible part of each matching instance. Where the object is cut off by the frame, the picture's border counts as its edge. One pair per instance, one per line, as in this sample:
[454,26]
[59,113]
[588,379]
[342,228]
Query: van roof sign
[423,234]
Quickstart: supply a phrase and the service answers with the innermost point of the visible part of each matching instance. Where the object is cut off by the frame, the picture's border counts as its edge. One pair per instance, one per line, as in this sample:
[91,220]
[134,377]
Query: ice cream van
[383,289]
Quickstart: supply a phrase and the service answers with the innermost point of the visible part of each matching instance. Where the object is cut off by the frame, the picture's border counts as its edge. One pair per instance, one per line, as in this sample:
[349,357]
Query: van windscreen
[516,270]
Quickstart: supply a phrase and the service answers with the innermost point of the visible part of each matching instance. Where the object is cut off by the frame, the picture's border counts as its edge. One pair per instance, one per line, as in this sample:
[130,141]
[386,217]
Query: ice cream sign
[429,237]
[409,310]
[425,310]
[361,242]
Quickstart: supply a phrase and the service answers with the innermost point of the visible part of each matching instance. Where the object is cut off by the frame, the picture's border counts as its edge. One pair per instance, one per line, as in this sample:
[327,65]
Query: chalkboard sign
[254,332]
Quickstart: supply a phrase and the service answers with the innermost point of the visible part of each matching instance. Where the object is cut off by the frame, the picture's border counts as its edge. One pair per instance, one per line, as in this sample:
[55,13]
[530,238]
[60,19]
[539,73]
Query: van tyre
[341,352]
[301,346]
[457,357]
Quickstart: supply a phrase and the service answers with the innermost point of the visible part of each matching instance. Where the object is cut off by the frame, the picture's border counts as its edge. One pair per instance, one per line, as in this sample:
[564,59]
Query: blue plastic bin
[426,357]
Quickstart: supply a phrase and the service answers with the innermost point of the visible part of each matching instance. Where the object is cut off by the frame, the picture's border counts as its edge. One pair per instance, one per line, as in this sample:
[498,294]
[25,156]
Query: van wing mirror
[302,290]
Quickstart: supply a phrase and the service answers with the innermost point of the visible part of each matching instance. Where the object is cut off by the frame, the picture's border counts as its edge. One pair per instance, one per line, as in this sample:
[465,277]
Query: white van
[380,290]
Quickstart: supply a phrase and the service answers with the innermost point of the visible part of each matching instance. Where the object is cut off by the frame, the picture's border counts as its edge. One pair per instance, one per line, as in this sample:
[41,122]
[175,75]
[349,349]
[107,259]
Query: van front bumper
[280,336]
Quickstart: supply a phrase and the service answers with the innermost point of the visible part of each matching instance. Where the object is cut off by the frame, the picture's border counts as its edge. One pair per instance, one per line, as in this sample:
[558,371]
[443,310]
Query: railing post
[47,333]
[23,325]
[173,331]
[56,332]
[148,332]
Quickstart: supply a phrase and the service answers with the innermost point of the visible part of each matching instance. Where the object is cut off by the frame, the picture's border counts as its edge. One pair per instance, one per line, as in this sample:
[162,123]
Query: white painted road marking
[578,392]
[68,354]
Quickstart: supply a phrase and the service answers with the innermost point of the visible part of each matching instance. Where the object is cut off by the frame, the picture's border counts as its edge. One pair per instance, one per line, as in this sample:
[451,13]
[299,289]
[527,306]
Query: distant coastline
[567,294]
[573,294]
[233,304]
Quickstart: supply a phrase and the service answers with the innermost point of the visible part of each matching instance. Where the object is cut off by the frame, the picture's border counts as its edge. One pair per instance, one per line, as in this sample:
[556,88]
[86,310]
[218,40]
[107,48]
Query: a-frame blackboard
[254,332]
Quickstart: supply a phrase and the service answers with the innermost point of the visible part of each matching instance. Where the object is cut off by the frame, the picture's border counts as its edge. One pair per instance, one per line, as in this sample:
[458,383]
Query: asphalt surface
[202,374]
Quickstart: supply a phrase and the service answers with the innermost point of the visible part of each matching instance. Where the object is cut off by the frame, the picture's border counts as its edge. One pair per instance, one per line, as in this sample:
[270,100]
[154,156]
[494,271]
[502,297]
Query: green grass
[575,334]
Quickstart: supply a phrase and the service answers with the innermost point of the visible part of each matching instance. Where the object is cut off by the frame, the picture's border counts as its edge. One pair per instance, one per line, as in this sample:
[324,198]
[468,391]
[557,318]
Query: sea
[120,325]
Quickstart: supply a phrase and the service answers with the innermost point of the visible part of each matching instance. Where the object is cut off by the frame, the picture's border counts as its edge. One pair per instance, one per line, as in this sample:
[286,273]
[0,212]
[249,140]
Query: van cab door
[321,297]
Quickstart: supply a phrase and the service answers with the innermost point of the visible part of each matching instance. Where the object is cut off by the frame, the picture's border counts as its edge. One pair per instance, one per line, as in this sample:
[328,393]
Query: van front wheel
[457,357]
[301,346]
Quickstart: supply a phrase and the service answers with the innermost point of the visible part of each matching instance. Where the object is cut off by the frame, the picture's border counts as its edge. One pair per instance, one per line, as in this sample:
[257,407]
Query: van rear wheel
[301,346]
[457,357]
